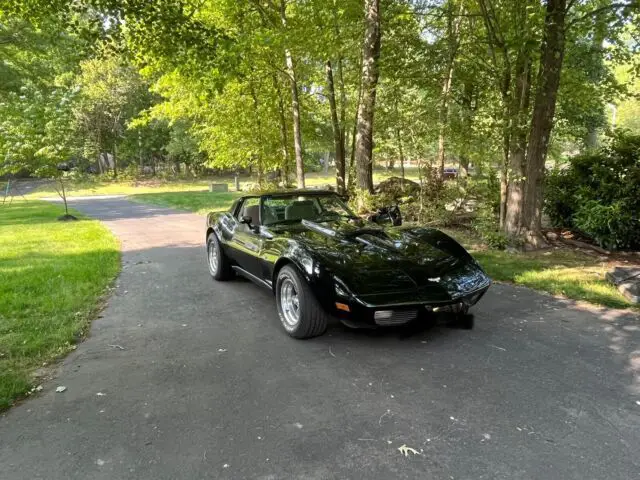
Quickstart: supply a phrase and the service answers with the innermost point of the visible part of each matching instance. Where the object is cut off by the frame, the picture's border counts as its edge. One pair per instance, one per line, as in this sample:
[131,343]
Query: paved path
[208,385]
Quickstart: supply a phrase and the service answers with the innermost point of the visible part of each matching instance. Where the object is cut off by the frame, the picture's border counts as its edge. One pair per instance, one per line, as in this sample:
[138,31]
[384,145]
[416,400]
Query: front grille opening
[394,317]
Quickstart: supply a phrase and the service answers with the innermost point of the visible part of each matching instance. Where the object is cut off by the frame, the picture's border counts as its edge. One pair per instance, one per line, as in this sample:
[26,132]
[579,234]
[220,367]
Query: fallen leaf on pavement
[406,450]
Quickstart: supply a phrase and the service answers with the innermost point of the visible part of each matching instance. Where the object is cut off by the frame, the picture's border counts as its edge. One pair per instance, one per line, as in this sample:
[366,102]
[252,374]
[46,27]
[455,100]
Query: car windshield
[295,208]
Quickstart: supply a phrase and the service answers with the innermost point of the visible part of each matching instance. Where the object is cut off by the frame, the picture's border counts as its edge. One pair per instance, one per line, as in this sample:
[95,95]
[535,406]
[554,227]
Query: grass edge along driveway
[562,271]
[53,276]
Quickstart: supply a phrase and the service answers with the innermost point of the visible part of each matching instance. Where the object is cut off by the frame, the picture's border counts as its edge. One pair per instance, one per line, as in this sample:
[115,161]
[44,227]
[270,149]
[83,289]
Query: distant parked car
[65,166]
[450,173]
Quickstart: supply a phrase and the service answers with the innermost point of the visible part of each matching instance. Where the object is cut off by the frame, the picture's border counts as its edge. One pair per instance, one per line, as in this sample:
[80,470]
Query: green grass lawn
[100,186]
[105,187]
[199,202]
[52,275]
[563,272]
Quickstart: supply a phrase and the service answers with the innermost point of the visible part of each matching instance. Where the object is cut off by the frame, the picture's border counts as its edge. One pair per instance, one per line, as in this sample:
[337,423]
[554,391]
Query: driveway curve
[183,378]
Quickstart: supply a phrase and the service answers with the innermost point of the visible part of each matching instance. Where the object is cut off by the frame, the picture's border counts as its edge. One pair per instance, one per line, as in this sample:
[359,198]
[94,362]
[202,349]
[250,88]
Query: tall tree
[338,134]
[551,58]
[366,110]
[295,102]
[452,39]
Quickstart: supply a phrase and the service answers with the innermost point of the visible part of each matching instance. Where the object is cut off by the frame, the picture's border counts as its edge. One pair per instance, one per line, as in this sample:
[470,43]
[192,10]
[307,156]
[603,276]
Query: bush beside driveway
[52,276]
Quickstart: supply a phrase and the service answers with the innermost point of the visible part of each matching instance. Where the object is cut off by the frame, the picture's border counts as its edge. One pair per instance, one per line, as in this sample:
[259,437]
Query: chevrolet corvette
[320,260]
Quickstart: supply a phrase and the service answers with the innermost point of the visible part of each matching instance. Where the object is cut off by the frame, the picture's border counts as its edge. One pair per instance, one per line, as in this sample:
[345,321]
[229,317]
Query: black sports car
[321,260]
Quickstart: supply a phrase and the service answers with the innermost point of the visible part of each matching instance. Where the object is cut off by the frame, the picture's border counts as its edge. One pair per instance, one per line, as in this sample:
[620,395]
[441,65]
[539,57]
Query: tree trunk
[343,107]
[467,120]
[140,150]
[506,142]
[351,173]
[115,160]
[518,143]
[551,58]
[284,142]
[338,139]
[595,76]
[260,173]
[504,190]
[99,145]
[343,104]
[453,30]
[295,105]
[259,154]
[64,197]
[401,153]
[366,109]
[399,140]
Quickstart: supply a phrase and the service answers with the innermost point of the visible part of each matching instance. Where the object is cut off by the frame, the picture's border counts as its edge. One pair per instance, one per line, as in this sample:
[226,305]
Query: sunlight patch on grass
[53,274]
[101,186]
[560,272]
[198,202]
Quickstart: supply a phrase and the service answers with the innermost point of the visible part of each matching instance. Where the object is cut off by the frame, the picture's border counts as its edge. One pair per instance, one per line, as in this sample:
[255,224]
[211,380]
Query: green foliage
[130,172]
[560,200]
[362,202]
[599,193]
[111,93]
[486,225]
[41,323]
[436,201]
[611,226]
[75,85]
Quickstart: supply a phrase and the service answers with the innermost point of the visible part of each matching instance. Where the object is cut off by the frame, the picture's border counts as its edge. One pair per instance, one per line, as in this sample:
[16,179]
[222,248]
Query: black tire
[463,319]
[311,318]
[223,269]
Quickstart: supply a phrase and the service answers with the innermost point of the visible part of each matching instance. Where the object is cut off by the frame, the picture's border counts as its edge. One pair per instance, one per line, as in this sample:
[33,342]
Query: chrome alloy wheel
[289,302]
[212,253]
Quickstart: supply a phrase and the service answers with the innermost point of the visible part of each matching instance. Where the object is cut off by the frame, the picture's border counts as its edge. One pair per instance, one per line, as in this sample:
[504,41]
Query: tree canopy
[275,85]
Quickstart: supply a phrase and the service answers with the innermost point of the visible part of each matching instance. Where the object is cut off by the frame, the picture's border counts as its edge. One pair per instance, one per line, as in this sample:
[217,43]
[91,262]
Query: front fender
[438,239]
[319,278]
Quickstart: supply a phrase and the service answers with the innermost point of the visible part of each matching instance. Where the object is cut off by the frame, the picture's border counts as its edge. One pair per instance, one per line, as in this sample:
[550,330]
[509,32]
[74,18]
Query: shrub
[394,190]
[486,224]
[130,172]
[561,197]
[611,226]
[363,202]
[599,193]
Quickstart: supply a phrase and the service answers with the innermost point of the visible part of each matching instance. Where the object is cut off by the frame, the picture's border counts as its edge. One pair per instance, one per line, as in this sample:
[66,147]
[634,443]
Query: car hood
[370,259]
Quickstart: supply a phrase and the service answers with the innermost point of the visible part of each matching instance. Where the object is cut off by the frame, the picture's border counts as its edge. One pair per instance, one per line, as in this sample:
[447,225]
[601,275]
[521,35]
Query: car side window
[249,208]
[246,206]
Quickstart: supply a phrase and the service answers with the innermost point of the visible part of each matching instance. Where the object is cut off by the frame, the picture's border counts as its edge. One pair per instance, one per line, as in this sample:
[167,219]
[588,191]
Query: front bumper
[362,312]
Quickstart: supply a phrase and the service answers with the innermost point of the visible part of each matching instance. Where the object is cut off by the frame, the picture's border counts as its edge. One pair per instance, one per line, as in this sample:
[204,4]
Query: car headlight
[340,289]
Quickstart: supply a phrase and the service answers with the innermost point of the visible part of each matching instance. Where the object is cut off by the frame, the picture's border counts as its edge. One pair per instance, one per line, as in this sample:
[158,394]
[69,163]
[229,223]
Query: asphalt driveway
[184,378]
